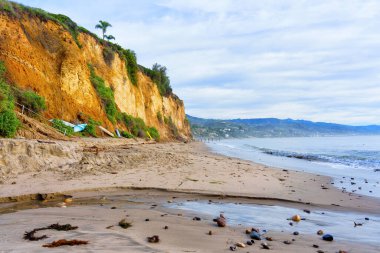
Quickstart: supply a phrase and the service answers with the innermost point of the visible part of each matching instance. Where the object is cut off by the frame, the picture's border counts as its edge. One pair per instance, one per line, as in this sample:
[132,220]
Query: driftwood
[64,242]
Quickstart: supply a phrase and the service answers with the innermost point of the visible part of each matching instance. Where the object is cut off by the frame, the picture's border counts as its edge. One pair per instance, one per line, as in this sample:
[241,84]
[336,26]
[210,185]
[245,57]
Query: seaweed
[31,235]
[64,242]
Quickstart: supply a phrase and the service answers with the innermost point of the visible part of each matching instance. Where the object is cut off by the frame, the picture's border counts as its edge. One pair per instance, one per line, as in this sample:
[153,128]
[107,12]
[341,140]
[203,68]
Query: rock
[240,245]
[328,237]
[306,210]
[248,231]
[147,220]
[42,196]
[249,243]
[342,251]
[197,218]
[296,233]
[254,235]
[67,199]
[296,218]
[154,239]
[291,223]
[124,224]
[315,246]
[221,221]
[320,232]
[210,232]
[320,251]
[265,245]
[114,207]
[269,239]
[287,242]
[366,218]
[166,227]
[233,248]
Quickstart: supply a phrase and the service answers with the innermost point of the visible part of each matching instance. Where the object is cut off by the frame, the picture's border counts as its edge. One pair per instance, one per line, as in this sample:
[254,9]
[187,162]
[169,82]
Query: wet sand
[97,216]
[71,167]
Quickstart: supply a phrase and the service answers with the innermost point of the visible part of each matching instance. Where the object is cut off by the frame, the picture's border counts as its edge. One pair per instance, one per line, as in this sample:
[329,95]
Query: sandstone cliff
[43,55]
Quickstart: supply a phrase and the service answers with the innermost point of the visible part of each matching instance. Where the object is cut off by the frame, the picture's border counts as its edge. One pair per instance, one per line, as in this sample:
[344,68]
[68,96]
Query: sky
[300,59]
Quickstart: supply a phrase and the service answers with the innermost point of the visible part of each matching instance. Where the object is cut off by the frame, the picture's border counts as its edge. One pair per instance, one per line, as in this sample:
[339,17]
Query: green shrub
[9,122]
[105,93]
[6,6]
[159,77]
[60,126]
[154,133]
[159,117]
[91,127]
[31,100]
[125,134]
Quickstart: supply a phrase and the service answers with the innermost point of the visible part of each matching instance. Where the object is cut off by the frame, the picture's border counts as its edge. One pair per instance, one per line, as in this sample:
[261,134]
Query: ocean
[353,162]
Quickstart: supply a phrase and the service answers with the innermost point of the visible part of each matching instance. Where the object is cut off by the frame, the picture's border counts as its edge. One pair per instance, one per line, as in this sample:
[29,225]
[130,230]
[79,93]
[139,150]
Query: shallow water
[341,158]
[274,218]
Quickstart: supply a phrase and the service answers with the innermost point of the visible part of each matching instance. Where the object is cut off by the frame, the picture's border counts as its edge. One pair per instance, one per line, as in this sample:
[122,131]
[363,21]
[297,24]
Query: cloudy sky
[301,59]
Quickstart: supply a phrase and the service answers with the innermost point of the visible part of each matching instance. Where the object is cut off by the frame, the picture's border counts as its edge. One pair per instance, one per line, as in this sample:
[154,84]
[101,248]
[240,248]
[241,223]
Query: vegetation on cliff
[9,122]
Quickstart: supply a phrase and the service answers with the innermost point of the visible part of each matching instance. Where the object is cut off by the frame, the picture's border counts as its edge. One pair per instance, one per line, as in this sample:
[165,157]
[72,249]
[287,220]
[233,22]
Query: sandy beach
[97,166]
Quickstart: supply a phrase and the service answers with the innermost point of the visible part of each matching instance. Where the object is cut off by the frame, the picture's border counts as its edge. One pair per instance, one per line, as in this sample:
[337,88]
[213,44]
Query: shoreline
[176,167]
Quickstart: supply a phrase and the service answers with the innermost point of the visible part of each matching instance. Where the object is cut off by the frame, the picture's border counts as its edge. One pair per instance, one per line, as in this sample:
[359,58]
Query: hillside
[271,127]
[81,76]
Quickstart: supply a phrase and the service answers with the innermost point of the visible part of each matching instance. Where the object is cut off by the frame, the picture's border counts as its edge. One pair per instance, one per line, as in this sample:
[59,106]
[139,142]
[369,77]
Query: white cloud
[315,60]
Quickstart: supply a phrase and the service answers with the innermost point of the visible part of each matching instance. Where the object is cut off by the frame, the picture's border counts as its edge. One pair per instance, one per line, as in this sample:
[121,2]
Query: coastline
[94,167]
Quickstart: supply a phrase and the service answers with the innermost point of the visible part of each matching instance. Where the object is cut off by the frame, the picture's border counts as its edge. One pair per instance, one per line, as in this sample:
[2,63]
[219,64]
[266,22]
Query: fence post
[22,112]
[65,133]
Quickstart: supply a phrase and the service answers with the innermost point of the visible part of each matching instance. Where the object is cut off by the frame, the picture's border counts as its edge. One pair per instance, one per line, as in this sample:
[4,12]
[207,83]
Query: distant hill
[272,127]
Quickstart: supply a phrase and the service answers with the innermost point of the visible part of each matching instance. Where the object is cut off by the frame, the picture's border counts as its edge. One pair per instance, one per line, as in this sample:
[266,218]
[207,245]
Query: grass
[9,122]
[105,93]
[91,127]
[137,127]
[30,99]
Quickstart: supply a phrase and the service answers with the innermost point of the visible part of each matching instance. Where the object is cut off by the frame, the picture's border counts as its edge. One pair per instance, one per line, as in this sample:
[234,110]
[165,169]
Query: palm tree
[103,25]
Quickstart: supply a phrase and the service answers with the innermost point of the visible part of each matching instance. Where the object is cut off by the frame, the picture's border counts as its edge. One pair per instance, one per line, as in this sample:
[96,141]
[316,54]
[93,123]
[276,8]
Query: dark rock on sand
[249,243]
[233,248]
[154,239]
[265,245]
[287,242]
[328,237]
[197,218]
[254,235]
[315,246]
[296,233]
[221,221]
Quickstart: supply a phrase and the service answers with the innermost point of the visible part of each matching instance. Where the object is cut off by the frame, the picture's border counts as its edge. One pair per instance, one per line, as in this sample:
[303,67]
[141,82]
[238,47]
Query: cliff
[53,58]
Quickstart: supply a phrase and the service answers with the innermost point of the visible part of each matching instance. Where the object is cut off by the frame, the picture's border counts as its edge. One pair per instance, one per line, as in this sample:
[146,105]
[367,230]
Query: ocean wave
[353,158]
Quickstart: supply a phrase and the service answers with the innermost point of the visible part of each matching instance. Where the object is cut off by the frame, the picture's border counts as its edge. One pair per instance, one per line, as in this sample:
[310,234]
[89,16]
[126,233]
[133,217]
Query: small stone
[315,246]
[320,251]
[124,224]
[366,218]
[154,239]
[147,220]
[248,231]
[240,245]
[306,210]
[296,233]
[296,218]
[254,235]
[287,242]
[265,245]
[269,239]
[291,223]
[249,243]
[114,207]
[342,251]
[166,227]
[328,237]
[320,232]
[210,232]
[197,218]
[221,221]
[233,248]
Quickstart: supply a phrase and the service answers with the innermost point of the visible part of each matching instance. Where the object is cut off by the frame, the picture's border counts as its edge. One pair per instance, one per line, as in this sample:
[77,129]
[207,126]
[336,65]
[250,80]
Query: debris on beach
[255,235]
[221,221]
[125,224]
[320,232]
[68,199]
[154,239]
[296,218]
[64,242]
[31,235]
[240,245]
[328,237]
[265,245]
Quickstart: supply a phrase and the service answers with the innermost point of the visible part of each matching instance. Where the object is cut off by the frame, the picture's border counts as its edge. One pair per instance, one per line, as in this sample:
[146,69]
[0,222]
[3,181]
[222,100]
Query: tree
[103,25]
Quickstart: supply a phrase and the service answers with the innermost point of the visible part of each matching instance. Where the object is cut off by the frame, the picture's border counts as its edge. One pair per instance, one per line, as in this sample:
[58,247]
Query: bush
[58,124]
[159,117]
[91,127]
[31,100]
[159,77]
[9,122]
[105,93]
[127,135]
[154,133]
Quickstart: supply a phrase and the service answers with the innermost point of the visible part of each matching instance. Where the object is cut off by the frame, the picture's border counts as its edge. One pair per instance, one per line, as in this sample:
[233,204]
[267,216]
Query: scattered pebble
[197,218]
[265,245]
[296,218]
[254,235]
[249,243]
[296,233]
[328,237]
[240,245]
[315,246]
[287,242]
[166,227]
[210,232]
[233,248]
[154,239]
[320,232]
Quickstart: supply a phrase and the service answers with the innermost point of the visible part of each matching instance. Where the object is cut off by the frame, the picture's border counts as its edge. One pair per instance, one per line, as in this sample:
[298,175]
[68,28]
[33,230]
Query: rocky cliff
[52,59]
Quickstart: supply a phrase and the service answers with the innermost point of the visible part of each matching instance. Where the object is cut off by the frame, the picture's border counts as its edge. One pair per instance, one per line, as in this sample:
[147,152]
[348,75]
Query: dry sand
[30,167]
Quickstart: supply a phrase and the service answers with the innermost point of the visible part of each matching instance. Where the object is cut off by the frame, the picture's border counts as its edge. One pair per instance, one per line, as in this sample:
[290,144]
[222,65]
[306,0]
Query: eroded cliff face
[43,56]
